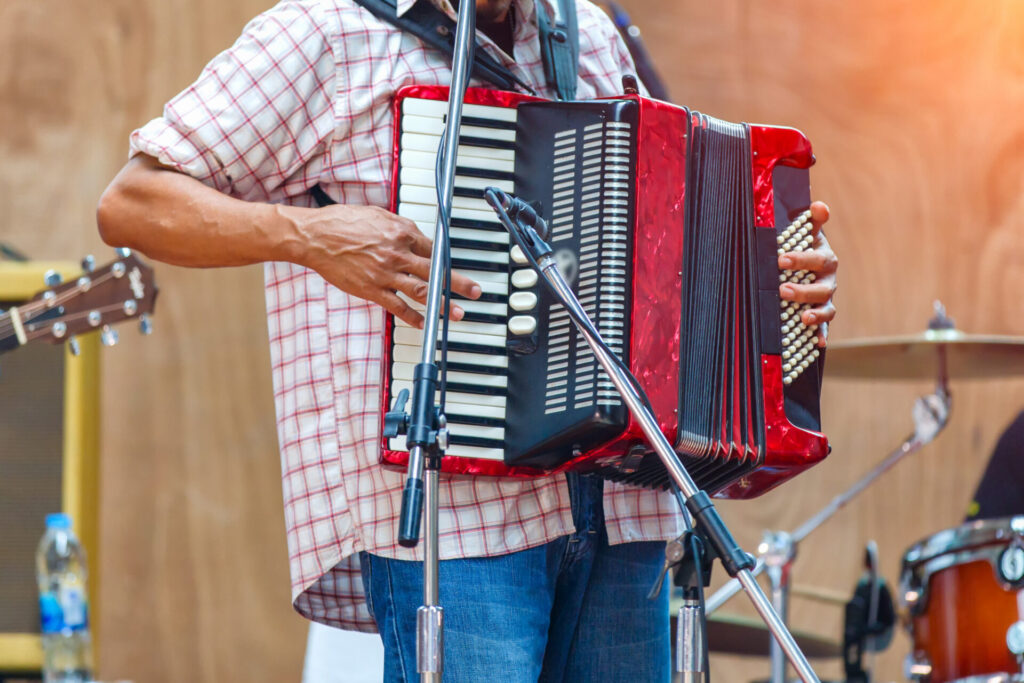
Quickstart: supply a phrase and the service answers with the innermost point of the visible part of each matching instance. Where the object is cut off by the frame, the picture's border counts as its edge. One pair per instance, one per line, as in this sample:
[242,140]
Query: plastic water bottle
[63,604]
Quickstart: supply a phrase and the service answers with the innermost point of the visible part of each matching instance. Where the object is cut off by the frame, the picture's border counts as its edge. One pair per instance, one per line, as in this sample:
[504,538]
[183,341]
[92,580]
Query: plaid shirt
[304,97]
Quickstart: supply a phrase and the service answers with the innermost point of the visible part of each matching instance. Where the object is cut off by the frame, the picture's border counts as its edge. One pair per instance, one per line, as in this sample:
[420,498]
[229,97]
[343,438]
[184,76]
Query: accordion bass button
[522,301]
[522,324]
[524,278]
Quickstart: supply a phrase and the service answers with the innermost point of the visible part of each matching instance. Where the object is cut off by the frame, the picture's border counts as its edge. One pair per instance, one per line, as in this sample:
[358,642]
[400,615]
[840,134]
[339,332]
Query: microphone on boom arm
[525,214]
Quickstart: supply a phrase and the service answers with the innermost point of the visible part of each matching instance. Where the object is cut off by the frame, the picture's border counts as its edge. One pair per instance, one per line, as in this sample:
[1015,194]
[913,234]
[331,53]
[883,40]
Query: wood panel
[913,110]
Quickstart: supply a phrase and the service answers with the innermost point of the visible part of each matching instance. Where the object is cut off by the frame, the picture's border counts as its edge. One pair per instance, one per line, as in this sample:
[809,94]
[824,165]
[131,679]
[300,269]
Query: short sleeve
[258,111]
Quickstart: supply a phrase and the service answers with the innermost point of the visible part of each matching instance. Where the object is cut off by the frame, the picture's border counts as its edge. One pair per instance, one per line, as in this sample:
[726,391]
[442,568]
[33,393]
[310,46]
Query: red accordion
[668,225]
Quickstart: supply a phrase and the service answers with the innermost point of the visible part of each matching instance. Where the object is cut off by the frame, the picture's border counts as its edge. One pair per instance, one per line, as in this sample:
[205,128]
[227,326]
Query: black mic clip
[531,231]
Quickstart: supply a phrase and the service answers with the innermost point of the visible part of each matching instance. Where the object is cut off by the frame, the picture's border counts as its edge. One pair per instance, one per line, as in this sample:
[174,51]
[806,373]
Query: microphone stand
[736,562]
[425,425]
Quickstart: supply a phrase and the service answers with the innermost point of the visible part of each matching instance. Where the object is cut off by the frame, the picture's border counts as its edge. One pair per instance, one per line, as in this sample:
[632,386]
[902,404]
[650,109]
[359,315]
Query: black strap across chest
[559,43]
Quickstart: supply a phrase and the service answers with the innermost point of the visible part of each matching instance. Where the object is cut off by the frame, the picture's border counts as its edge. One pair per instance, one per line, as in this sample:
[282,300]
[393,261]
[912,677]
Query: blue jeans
[574,609]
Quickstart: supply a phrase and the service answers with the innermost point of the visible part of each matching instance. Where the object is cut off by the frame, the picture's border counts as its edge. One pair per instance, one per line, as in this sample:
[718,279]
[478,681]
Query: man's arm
[364,250]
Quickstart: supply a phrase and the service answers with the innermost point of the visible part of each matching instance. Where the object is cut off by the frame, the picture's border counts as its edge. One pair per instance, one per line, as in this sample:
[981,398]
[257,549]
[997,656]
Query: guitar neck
[12,324]
[8,337]
[98,298]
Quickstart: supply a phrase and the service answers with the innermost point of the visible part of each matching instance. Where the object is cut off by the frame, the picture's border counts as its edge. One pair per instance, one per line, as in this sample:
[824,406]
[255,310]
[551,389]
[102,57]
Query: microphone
[521,211]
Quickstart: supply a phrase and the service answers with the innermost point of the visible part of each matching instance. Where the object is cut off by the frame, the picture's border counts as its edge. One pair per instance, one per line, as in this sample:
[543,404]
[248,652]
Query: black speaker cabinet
[49,410]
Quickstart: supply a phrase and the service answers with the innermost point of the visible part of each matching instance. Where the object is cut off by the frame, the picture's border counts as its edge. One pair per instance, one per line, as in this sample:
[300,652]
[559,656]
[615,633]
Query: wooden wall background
[914,110]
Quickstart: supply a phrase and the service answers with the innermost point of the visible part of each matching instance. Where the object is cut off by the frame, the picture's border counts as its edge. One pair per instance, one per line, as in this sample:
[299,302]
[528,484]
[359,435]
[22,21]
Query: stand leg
[775,624]
[430,617]
[690,642]
[780,600]
[778,552]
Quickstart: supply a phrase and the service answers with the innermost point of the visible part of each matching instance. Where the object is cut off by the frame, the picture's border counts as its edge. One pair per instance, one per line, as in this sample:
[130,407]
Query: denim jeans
[573,610]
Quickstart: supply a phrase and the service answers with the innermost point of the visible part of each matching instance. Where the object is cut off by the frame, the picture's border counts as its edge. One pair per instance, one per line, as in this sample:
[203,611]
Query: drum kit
[961,591]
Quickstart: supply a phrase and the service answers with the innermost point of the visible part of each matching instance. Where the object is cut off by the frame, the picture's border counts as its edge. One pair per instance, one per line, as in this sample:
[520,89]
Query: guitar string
[45,331]
[7,328]
[59,299]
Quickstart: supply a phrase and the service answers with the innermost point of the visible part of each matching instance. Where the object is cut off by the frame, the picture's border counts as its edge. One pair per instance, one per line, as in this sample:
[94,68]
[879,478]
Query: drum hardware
[874,603]
[999,542]
[1011,563]
[916,667]
[930,414]
[734,634]
[778,551]
[985,678]
[819,594]
[981,639]
[1015,641]
[868,621]
[915,356]
[913,587]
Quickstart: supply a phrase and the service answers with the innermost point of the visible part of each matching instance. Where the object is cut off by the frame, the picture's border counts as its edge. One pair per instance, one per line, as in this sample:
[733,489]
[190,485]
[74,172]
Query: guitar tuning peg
[52,278]
[145,324]
[89,263]
[73,346]
[123,252]
[108,336]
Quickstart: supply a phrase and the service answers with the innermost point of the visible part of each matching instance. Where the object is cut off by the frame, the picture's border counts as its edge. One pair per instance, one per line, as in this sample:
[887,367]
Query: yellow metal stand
[22,652]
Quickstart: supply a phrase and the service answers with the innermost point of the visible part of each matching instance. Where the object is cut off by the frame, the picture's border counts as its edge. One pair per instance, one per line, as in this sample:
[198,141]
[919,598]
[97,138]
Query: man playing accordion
[541,578]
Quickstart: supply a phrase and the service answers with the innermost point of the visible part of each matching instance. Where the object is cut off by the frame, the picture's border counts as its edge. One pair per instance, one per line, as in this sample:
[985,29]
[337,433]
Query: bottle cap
[58,520]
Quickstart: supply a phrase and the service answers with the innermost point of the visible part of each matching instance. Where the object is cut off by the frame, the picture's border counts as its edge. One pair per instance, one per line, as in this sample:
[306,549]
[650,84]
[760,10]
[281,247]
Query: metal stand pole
[736,562]
[778,552]
[690,637]
[430,616]
[425,426]
[871,556]
[931,414]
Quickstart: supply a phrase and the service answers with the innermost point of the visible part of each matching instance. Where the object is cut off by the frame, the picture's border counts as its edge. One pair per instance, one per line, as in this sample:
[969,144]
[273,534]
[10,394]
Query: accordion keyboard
[477,357]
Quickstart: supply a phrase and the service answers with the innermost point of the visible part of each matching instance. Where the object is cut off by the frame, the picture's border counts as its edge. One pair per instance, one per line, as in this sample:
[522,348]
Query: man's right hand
[365,251]
[373,254]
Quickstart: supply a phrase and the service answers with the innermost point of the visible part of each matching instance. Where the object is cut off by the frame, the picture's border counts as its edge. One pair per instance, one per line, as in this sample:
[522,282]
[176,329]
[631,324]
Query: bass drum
[962,588]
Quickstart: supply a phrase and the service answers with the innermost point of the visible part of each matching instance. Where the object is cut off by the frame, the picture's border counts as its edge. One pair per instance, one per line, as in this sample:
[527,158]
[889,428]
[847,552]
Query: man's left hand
[821,261]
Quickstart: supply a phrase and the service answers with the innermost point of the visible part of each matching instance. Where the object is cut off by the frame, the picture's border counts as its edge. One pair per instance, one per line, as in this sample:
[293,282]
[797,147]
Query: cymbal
[733,634]
[916,356]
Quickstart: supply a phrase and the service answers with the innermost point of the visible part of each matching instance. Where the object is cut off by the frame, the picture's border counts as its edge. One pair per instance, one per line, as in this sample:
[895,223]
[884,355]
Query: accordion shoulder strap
[436,29]
[560,47]
[322,198]
[559,42]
